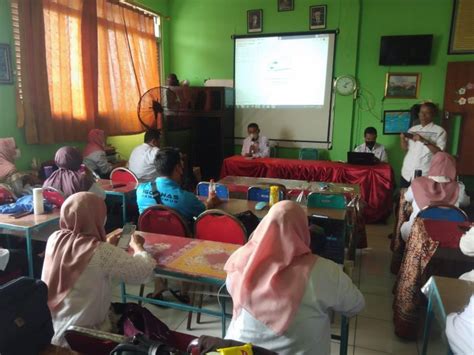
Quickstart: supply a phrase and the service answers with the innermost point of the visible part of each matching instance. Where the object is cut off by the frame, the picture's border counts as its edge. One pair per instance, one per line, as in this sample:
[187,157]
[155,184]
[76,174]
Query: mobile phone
[408,135]
[21,214]
[126,235]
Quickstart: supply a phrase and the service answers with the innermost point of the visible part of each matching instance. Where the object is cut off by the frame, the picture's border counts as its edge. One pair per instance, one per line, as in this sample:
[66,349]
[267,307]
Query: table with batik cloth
[376,181]
[431,249]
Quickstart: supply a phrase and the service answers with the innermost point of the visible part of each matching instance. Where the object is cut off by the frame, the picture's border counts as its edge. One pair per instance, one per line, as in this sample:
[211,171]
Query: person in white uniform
[255,145]
[80,263]
[460,330]
[281,292]
[421,142]
[371,145]
[142,159]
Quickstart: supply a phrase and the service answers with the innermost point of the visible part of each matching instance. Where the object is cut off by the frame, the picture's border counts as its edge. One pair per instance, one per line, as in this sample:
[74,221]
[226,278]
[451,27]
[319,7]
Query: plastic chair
[308,154]
[322,200]
[222,191]
[262,193]
[123,175]
[219,226]
[443,212]
[53,196]
[163,220]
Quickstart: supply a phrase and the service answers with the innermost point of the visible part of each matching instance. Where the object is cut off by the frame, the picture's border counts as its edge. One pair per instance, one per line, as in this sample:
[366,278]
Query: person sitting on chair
[142,159]
[439,187]
[371,145]
[282,293]
[255,145]
[94,153]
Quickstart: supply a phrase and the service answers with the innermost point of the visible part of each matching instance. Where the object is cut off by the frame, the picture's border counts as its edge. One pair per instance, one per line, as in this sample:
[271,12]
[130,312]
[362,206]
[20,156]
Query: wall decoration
[461,38]
[396,121]
[317,17]
[6,73]
[286,5]
[402,85]
[255,21]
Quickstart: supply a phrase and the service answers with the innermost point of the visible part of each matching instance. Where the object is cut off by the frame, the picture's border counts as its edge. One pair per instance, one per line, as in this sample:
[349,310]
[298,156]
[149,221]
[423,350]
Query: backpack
[25,320]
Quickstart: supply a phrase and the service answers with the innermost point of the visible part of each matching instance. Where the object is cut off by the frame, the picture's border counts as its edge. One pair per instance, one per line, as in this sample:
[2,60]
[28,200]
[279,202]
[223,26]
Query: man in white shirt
[371,145]
[142,159]
[421,142]
[255,145]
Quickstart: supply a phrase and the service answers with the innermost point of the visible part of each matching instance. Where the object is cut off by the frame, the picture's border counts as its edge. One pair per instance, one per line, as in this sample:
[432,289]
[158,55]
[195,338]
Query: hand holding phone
[126,235]
[408,135]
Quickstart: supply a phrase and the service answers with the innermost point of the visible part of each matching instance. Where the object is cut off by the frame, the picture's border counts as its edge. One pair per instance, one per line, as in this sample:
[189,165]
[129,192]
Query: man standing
[371,145]
[255,145]
[142,159]
[421,142]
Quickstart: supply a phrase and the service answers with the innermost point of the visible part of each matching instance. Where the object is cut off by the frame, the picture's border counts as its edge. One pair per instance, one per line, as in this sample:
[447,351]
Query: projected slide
[281,71]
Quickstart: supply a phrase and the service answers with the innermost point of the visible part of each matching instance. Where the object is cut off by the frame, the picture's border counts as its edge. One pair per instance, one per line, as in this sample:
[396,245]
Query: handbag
[140,344]
[25,322]
[249,220]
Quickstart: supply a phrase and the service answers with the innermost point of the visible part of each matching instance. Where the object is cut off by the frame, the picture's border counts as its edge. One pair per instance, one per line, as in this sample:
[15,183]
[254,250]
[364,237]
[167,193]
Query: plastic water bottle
[212,188]
[274,195]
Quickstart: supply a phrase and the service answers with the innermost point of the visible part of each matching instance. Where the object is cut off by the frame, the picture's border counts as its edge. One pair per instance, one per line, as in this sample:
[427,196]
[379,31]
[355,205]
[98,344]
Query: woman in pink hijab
[94,153]
[80,263]
[282,293]
[439,187]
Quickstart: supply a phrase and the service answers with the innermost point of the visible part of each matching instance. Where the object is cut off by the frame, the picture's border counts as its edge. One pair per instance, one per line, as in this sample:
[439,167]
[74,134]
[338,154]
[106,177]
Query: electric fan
[156,103]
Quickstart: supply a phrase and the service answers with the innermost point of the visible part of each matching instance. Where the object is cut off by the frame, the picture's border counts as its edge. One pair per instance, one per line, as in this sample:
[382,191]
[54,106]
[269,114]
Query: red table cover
[376,181]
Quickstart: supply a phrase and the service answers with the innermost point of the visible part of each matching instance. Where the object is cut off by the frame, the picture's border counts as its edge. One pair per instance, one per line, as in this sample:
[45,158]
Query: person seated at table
[282,293]
[371,145]
[460,330]
[69,179]
[80,263]
[166,188]
[439,187]
[255,145]
[142,159]
[94,153]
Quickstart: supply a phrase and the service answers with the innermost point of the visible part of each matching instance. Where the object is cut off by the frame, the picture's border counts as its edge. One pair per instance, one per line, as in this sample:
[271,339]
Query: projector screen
[283,83]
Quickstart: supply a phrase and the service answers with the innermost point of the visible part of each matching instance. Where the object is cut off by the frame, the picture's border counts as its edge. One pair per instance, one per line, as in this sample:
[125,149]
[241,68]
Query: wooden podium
[202,126]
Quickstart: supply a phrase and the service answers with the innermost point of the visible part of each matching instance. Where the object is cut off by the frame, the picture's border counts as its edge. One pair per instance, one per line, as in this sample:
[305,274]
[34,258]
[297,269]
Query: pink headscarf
[96,141]
[269,274]
[7,157]
[68,179]
[82,230]
[427,191]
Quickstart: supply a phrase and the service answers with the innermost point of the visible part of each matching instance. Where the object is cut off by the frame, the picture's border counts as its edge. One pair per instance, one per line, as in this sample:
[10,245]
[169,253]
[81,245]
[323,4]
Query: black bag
[25,320]
[140,344]
[249,220]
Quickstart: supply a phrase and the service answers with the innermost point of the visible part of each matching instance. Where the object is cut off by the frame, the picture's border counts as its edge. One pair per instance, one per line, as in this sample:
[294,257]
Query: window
[17,48]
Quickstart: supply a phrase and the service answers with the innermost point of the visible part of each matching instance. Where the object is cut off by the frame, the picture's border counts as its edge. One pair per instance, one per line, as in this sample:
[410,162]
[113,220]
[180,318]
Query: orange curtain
[128,65]
[99,57]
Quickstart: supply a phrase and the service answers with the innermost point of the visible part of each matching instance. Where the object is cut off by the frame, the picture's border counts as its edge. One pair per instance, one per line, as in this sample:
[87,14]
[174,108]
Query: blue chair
[222,191]
[322,200]
[262,193]
[444,213]
[308,154]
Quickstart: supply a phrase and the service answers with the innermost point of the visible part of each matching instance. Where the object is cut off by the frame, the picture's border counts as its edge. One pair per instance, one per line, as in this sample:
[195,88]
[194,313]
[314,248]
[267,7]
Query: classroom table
[200,261]
[120,189]
[431,249]
[445,295]
[376,181]
[26,226]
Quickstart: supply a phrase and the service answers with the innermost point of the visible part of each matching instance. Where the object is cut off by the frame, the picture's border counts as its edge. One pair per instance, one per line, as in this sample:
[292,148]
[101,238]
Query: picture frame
[255,21]
[317,17]
[396,121]
[461,35]
[285,5]
[402,85]
[6,72]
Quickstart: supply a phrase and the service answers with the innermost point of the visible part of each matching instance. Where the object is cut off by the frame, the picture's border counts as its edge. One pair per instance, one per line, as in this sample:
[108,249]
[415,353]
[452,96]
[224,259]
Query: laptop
[361,158]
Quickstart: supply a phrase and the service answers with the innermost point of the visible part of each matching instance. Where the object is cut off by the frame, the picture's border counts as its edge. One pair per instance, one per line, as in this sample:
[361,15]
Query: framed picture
[286,5]
[254,21]
[6,74]
[396,121]
[317,17]
[461,37]
[402,85]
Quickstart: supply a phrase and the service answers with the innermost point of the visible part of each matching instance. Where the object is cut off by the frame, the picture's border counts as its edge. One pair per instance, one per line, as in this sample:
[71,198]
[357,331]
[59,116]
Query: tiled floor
[371,332]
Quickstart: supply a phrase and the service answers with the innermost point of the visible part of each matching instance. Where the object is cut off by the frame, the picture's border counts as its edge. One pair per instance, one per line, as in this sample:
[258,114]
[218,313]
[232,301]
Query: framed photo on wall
[254,21]
[402,85]
[286,5]
[6,73]
[396,121]
[317,17]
